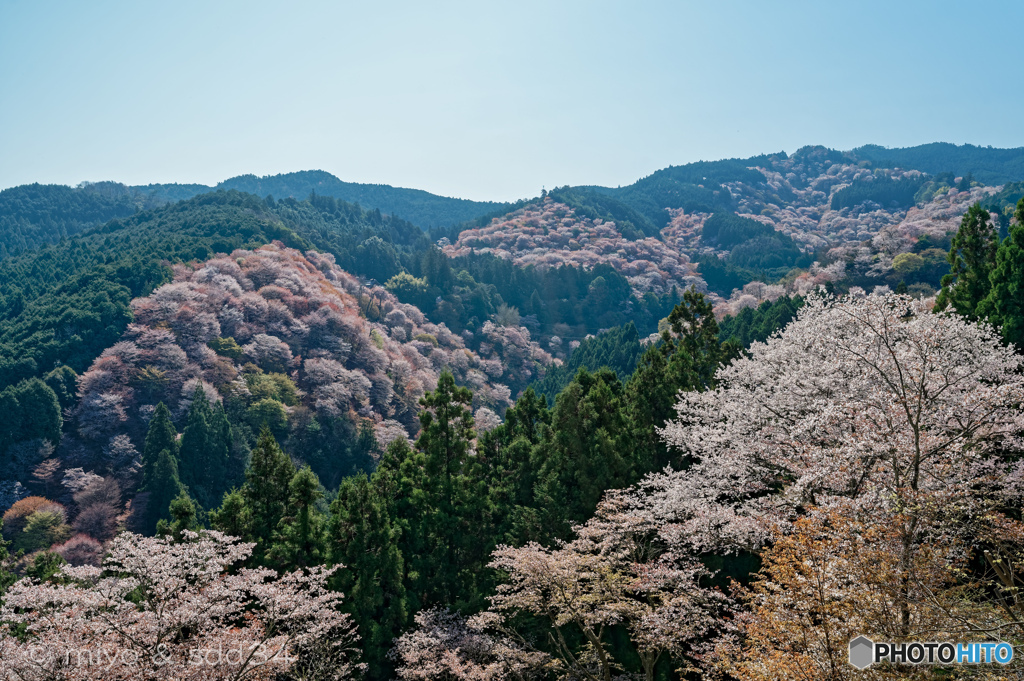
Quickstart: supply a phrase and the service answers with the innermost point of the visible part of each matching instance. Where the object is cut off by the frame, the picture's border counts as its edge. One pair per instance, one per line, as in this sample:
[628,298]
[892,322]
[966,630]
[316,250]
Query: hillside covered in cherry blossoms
[826,217]
[285,339]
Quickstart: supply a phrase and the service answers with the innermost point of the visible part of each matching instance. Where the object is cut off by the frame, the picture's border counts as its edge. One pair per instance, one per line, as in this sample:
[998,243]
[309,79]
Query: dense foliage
[972,257]
[1003,203]
[991,166]
[618,349]
[752,245]
[725,231]
[592,204]
[756,325]
[881,190]
[277,339]
[1003,305]
[694,187]
[64,304]
[421,208]
[35,214]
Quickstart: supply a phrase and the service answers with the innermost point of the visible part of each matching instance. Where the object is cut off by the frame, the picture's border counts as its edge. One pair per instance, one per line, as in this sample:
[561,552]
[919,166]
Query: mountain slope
[64,303]
[289,339]
[818,216]
[989,166]
[35,214]
[419,207]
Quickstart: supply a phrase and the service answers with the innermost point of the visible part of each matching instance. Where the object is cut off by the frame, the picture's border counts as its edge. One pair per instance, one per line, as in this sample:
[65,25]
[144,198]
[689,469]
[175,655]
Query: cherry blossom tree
[99,414]
[160,609]
[485,419]
[99,508]
[867,412]
[617,572]
[268,351]
[830,580]
[550,234]
[874,399]
[80,549]
[444,645]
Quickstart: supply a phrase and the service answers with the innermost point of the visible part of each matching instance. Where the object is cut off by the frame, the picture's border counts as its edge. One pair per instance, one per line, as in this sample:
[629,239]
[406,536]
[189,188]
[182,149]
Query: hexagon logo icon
[861,652]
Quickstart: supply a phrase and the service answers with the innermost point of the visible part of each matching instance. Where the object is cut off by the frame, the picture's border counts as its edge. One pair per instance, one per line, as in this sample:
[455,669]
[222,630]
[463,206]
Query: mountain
[694,187]
[284,338]
[32,215]
[227,291]
[331,383]
[987,165]
[64,303]
[749,230]
[35,214]
[569,264]
[421,208]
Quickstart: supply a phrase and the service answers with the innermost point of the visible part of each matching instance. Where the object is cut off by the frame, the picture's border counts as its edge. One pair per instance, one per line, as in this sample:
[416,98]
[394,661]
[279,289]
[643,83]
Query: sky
[488,100]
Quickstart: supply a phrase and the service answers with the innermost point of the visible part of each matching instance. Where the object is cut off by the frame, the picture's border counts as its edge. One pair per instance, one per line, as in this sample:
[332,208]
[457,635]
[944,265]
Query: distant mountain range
[32,215]
[746,230]
[419,207]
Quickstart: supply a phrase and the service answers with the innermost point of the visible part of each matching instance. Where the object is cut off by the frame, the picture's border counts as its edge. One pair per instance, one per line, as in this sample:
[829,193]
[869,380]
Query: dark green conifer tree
[364,540]
[232,517]
[204,451]
[62,380]
[579,457]
[161,436]
[182,512]
[972,257]
[442,513]
[266,493]
[44,565]
[401,479]
[164,486]
[504,455]
[445,436]
[299,542]
[1003,307]
[28,410]
[687,358]
[224,471]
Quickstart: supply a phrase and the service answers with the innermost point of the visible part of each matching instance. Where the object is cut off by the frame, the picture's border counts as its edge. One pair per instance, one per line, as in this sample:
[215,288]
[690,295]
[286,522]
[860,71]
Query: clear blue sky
[488,100]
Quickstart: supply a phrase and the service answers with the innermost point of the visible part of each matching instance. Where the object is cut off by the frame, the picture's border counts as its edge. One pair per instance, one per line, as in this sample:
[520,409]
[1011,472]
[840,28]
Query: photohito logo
[864,652]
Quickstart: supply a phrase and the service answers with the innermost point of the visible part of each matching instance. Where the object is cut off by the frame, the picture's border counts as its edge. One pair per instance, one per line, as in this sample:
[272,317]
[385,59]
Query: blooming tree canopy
[875,401]
[617,572]
[164,610]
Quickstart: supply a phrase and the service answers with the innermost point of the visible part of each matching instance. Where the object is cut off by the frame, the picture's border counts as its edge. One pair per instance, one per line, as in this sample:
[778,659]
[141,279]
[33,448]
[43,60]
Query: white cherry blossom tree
[164,610]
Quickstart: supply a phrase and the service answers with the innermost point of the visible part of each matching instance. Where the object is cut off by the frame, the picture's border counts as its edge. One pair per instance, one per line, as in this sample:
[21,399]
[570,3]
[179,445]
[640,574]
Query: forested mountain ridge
[990,166]
[749,230]
[571,263]
[419,207]
[33,214]
[65,302]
